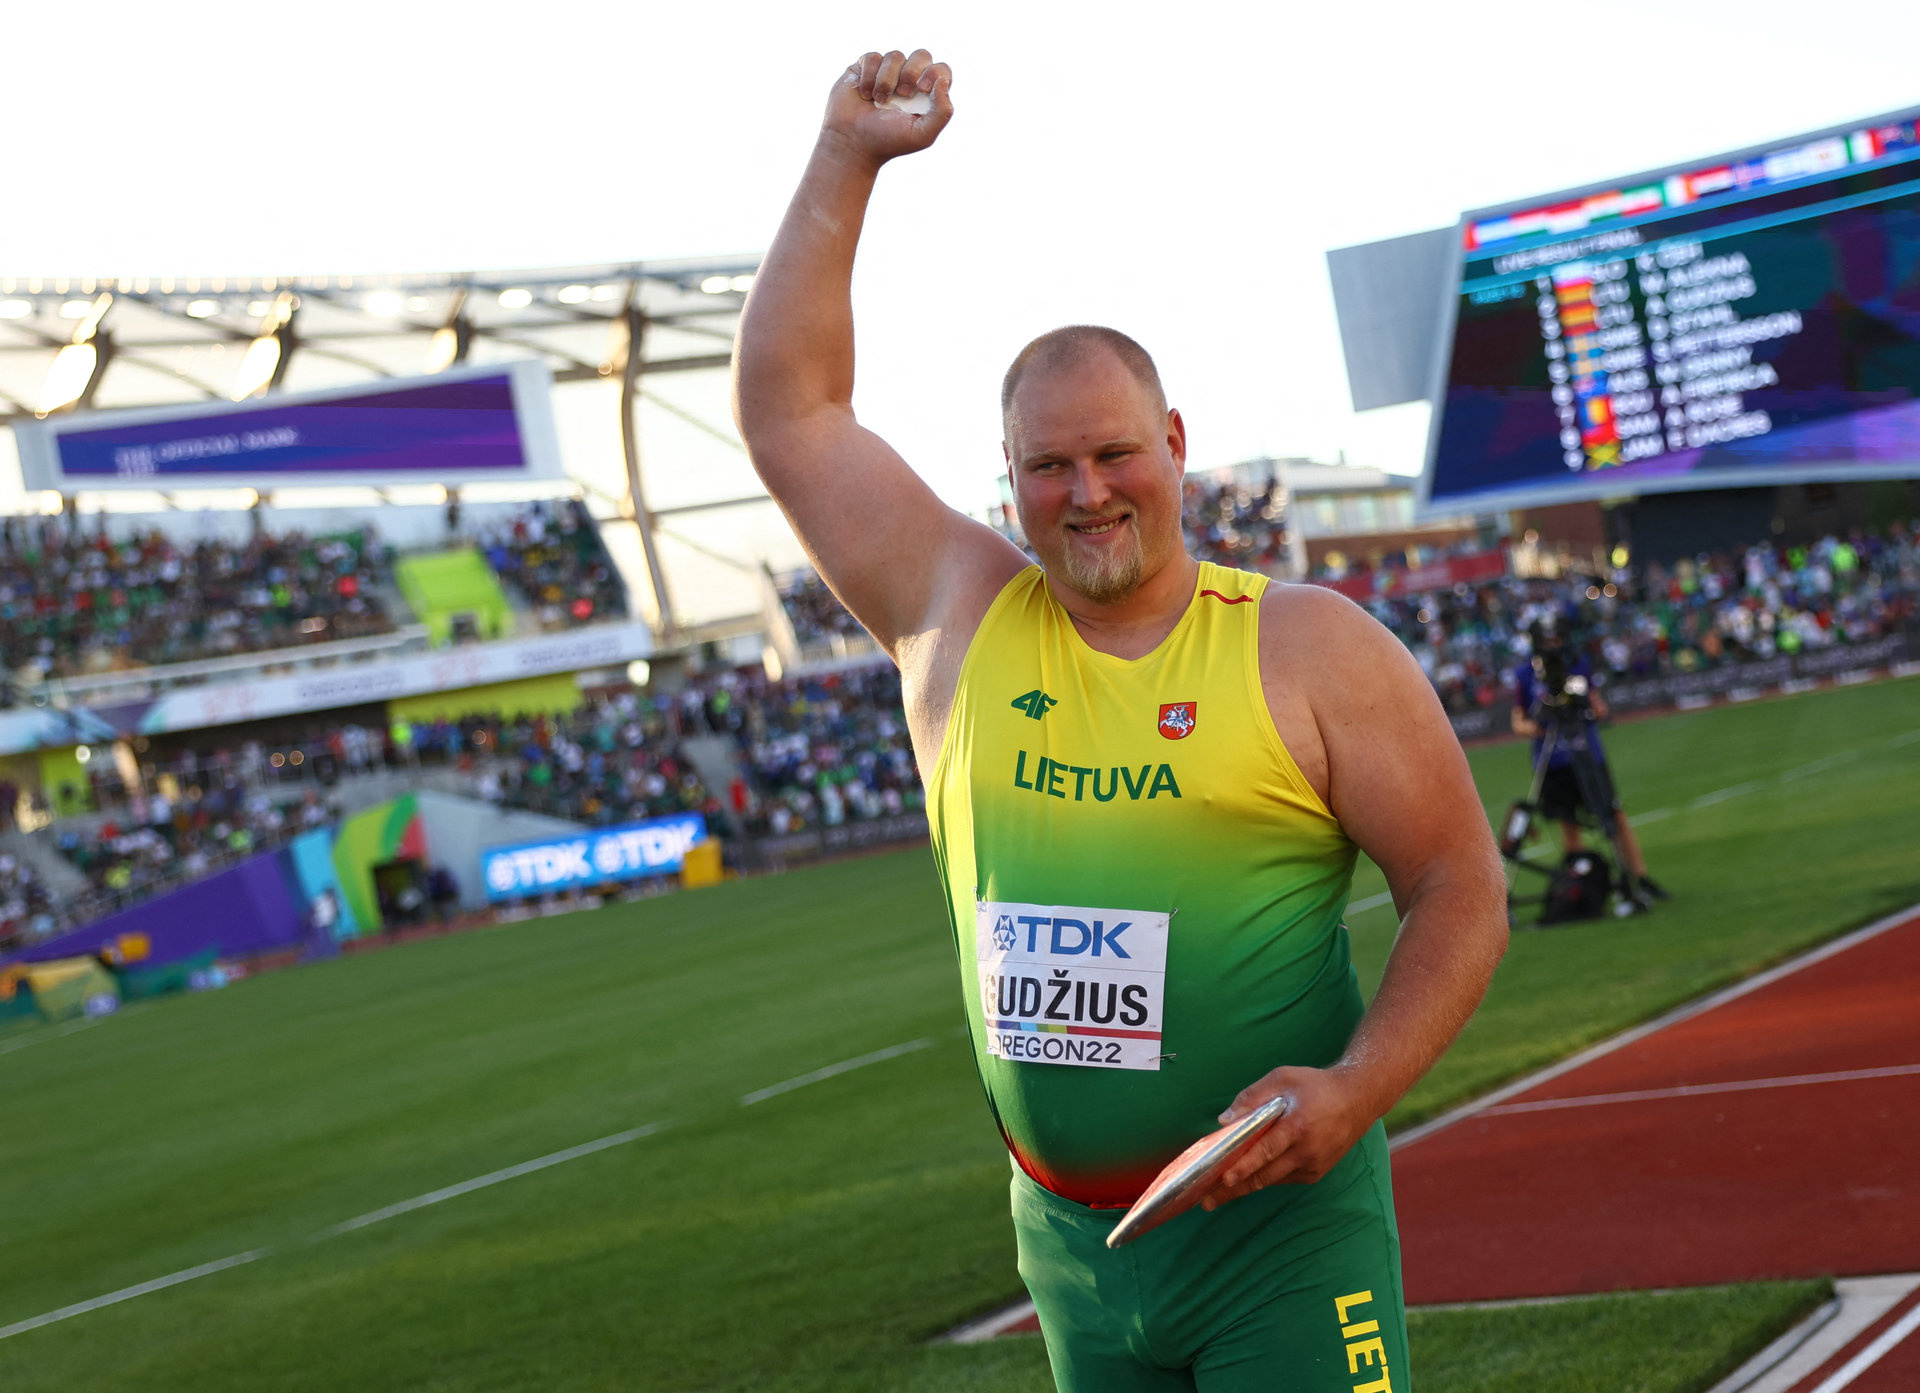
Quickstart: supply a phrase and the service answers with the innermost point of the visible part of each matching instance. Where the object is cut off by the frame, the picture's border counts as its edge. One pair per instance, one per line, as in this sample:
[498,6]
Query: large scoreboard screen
[1747,320]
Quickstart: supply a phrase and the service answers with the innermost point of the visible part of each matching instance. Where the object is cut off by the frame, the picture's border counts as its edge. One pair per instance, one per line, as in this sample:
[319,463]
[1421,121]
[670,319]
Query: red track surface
[1780,1180]
[1897,1370]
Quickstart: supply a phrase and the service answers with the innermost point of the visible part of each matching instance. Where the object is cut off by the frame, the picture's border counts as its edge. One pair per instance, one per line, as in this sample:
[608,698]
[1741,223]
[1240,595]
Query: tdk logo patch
[1003,934]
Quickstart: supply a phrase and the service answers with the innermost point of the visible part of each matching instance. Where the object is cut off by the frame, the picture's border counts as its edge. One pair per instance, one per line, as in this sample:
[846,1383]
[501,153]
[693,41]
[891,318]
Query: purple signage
[453,428]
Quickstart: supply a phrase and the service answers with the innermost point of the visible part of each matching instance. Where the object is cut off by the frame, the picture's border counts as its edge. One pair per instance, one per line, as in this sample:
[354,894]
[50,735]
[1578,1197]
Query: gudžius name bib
[1060,984]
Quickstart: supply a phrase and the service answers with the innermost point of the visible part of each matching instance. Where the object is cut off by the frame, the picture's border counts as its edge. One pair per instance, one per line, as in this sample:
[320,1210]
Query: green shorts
[1292,1289]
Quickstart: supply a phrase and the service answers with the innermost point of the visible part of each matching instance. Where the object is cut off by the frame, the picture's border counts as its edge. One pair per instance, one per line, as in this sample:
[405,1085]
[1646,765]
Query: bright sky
[1177,171]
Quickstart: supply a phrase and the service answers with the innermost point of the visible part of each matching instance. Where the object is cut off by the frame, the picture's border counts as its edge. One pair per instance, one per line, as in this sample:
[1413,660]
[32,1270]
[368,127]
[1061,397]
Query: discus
[1188,1176]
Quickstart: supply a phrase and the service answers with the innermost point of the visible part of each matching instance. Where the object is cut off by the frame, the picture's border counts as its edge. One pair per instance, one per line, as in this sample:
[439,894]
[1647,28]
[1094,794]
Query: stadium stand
[77,601]
[74,602]
[830,749]
[153,842]
[597,765]
[1237,523]
[813,610]
[553,557]
[1714,610]
[26,902]
[824,750]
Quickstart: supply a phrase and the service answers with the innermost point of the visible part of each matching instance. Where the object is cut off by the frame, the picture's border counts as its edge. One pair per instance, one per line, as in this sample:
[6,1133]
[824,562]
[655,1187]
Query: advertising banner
[461,426]
[223,703]
[1764,676]
[657,846]
[1441,575]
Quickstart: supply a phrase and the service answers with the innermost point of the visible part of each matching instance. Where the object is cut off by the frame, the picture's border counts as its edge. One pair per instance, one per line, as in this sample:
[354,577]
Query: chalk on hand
[913,103]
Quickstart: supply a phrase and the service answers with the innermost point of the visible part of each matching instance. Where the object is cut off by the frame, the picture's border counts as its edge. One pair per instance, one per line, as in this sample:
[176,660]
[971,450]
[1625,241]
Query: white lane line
[128,1293]
[1811,1345]
[1872,1354]
[10,1046]
[760,1095]
[1656,815]
[467,1187]
[1721,795]
[1633,1034]
[1694,1090]
[404,1207]
[1370,902]
[1906,739]
[1820,766]
[989,1327]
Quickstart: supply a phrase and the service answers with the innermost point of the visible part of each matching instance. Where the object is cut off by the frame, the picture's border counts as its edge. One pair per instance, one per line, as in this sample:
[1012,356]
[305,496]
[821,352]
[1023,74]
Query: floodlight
[15,309]
[741,283]
[203,309]
[515,298]
[74,375]
[451,340]
[74,370]
[386,303]
[716,285]
[573,294]
[264,365]
[75,309]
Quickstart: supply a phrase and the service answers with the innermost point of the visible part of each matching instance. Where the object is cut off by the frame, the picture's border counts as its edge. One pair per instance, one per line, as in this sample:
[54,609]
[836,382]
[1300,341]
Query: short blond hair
[1074,344]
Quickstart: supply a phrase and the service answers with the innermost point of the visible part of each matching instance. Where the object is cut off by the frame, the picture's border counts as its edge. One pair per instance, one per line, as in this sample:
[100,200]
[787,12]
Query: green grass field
[814,1240]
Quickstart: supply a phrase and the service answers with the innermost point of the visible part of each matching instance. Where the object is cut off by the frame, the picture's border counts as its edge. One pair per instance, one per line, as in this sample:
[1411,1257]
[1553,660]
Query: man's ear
[1177,440]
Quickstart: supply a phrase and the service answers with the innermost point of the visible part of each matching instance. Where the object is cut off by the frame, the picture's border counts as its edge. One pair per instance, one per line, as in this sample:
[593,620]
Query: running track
[1773,1134]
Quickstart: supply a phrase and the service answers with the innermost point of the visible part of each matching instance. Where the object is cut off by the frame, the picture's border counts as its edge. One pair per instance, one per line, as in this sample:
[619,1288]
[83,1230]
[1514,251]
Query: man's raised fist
[874,105]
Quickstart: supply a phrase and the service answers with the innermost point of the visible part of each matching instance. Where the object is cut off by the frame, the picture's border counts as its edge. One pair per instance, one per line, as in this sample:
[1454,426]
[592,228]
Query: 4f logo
[1035,703]
[1177,719]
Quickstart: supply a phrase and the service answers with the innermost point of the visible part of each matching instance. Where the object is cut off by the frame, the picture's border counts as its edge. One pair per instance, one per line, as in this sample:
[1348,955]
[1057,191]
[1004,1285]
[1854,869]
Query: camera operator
[1555,687]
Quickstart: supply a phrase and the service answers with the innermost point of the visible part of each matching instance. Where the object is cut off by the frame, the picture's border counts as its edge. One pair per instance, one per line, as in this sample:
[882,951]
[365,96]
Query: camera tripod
[1564,732]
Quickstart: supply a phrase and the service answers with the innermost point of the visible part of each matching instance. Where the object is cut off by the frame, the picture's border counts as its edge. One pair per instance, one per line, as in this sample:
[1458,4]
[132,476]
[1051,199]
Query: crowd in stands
[1236,524]
[817,751]
[608,761]
[26,906]
[1725,607]
[813,611]
[161,841]
[552,556]
[74,601]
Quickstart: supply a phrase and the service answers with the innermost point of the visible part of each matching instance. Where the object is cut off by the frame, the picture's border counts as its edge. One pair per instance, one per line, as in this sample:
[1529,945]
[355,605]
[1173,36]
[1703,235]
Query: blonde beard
[1109,579]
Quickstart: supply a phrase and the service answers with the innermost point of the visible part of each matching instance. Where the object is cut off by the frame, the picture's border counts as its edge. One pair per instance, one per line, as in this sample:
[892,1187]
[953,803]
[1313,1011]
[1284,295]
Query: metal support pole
[636,324]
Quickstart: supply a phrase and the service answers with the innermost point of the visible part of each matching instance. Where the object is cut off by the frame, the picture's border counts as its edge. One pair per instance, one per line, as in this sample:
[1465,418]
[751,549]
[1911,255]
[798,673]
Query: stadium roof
[175,340]
[181,339]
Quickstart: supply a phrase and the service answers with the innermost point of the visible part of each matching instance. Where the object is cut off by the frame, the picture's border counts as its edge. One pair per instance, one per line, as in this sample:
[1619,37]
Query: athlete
[1149,779]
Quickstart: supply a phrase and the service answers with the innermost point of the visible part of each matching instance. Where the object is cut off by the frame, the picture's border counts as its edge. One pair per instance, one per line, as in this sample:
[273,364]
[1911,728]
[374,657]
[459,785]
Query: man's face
[1096,466]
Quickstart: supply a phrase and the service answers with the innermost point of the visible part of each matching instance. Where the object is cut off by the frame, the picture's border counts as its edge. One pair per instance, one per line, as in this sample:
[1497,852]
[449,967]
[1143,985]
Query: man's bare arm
[1400,785]
[885,543]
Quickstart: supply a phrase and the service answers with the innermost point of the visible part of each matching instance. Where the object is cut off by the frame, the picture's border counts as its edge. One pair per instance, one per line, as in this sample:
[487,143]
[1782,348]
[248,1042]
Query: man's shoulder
[1294,614]
[1319,639]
